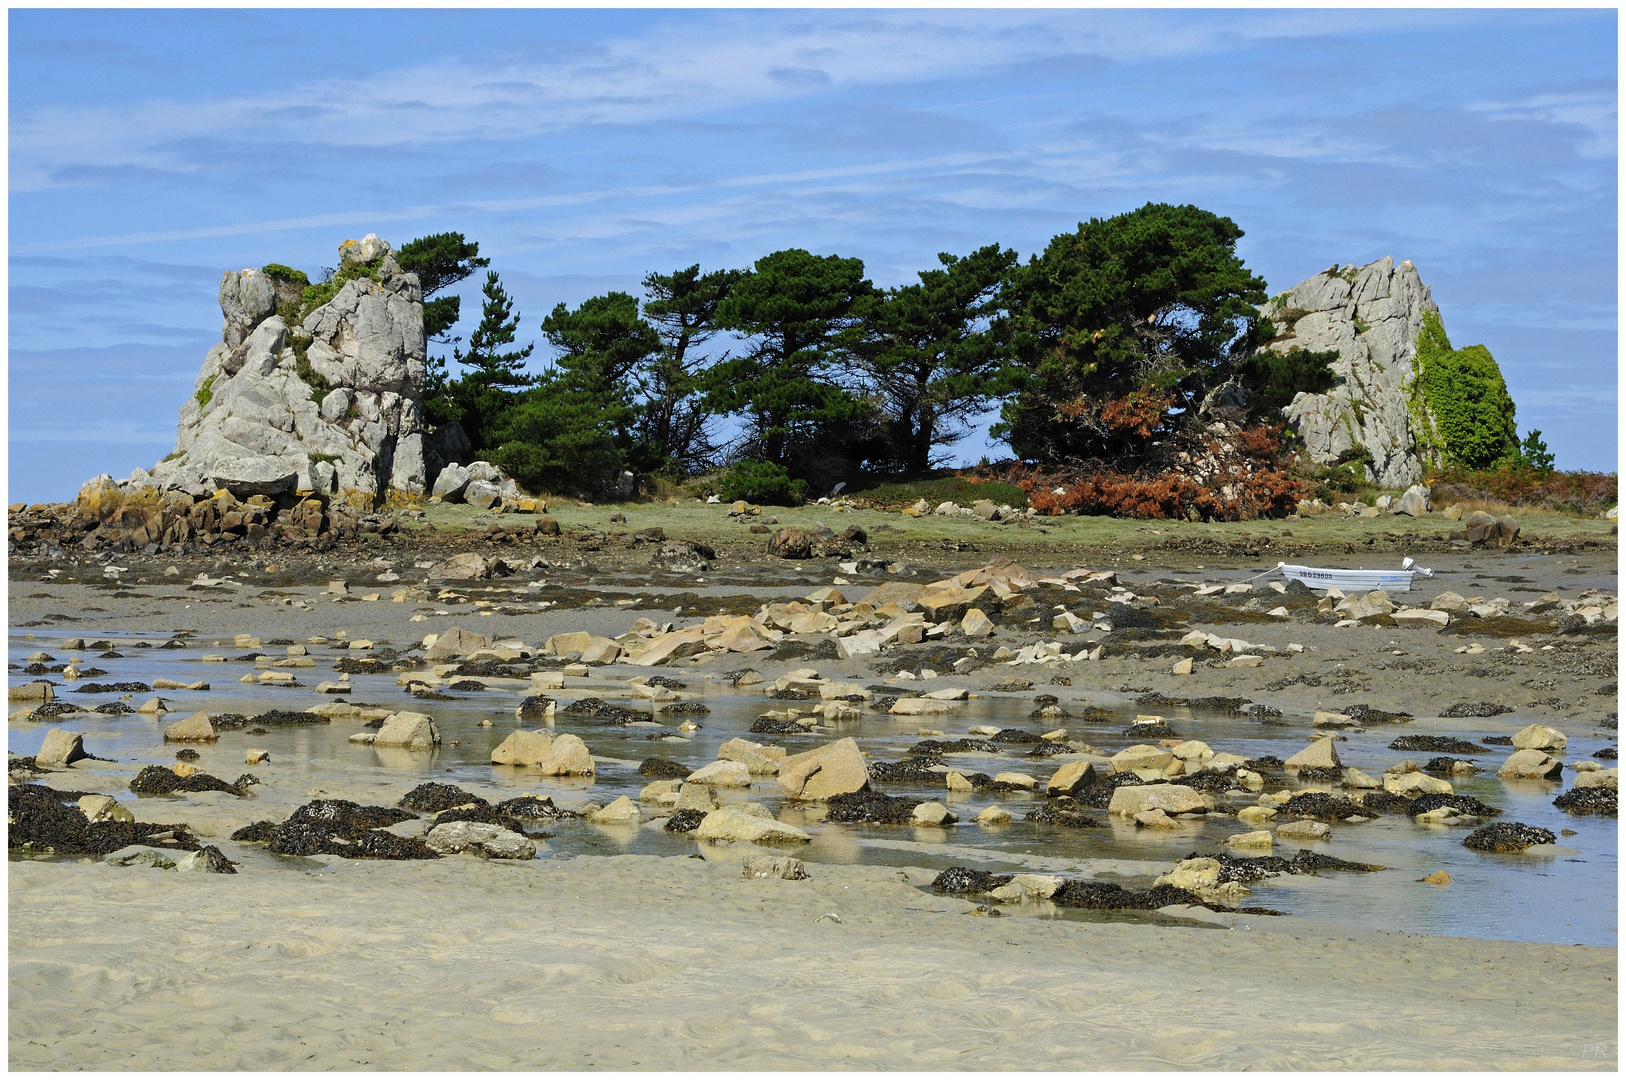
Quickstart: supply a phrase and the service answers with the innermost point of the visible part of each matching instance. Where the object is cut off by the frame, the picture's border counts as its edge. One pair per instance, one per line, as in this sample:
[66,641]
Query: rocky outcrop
[1371,316]
[322,399]
[1404,397]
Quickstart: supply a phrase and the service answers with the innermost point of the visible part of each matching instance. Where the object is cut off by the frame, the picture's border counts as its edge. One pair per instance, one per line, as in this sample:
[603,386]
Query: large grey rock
[413,731]
[1414,502]
[246,300]
[1371,316]
[363,433]
[60,748]
[477,838]
[450,483]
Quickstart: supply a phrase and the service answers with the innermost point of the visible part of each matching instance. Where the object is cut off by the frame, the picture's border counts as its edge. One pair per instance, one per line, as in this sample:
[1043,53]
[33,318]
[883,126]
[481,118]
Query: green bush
[316,295]
[762,482]
[206,392]
[279,272]
[1274,379]
[1462,389]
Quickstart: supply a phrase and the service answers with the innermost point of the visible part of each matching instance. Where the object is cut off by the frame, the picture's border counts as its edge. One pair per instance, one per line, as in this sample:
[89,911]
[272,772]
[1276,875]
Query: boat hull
[1350,580]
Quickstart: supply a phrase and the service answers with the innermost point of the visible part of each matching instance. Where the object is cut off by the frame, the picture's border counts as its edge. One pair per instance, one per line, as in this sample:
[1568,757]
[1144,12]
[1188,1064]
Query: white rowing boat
[1355,580]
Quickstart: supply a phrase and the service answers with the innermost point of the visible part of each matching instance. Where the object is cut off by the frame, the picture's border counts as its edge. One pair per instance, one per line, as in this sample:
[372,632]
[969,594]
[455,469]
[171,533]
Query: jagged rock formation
[1372,317]
[332,404]
[1385,403]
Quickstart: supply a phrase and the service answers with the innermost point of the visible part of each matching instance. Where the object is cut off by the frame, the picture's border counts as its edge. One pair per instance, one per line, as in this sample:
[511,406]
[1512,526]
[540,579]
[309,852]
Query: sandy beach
[636,947]
[641,963]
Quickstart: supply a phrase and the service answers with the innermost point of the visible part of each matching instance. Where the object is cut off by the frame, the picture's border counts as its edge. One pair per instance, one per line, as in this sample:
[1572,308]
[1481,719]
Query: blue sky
[150,151]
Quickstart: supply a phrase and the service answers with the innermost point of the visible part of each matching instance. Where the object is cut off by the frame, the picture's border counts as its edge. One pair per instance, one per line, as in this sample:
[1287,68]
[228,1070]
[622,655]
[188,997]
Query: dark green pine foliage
[672,425]
[440,260]
[936,353]
[1274,379]
[493,374]
[802,314]
[574,430]
[1124,324]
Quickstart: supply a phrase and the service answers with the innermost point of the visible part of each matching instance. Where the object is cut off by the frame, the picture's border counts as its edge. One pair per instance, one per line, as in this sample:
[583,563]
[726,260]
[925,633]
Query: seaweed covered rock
[683,821]
[1506,836]
[1602,801]
[432,798]
[40,822]
[961,881]
[663,769]
[157,780]
[909,770]
[1066,813]
[1464,805]
[1434,744]
[338,827]
[1320,806]
[871,807]
[1100,896]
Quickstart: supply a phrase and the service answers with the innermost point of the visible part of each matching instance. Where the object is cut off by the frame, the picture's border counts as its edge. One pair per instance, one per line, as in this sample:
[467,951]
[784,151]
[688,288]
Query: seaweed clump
[1601,801]
[1065,812]
[1435,744]
[1322,807]
[871,807]
[918,770]
[40,822]
[684,820]
[157,780]
[338,827]
[958,880]
[432,798]
[1504,836]
[664,769]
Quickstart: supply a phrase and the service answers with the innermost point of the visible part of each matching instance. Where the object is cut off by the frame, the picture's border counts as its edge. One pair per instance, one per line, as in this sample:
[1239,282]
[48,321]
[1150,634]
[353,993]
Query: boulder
[696,797]
[1170,798]
[748,823]
[568,756]
[480,839]
[103,808]
[975,624]
[1599,778]
[1320,754]
[1303,830]
[622,811]
[195,728]
[453,642]
[1530,765]
[933,813]
[722,774]
[1414,502]
[208,859]
[1027,889]
[1260,838]
[1411,785]
[791,543]
[523,748]
[409,730]
[60,748]
[1538,737]
[1071,779]
[466,566]
[1139,757]
[1193,875]
[833,769]
[759,759]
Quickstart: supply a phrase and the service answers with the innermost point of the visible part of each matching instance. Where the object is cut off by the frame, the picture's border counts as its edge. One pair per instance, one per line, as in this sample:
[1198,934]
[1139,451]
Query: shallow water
[1565,896]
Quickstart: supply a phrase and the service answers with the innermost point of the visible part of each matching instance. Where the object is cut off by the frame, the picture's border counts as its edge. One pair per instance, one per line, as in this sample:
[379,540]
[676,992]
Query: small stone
[1183,667]
[1255,815]
[1304,830]
[956,781]
[1438,877]
[994,815]
[1258,839]
[256,757]
[195,728]
[622,811]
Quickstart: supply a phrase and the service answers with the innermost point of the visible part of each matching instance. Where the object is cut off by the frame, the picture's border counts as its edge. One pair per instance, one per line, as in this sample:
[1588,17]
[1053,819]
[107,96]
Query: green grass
[206,392]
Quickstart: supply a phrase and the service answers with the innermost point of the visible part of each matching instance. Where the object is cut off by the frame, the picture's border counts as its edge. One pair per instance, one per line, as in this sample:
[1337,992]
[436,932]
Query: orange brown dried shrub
[1245,478]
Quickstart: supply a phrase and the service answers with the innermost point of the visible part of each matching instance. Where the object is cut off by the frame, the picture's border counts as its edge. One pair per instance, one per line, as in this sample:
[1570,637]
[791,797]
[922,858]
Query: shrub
[279,272]
[206,392]
[321,293]
[961,489]
[1273,379]
[1463,390]
[762,482]
[1583,493]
